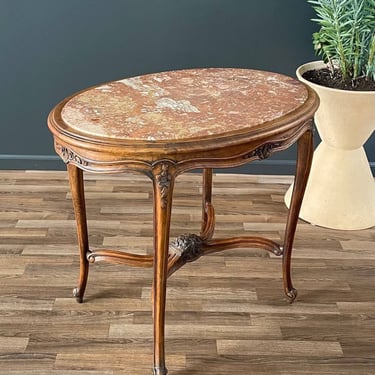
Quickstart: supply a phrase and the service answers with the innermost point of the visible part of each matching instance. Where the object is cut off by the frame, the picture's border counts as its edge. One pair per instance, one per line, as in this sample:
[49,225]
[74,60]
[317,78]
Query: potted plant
[341,190]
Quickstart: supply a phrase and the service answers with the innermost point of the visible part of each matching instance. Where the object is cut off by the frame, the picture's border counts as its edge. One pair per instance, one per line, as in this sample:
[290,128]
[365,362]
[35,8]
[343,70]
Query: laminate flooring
[226,313]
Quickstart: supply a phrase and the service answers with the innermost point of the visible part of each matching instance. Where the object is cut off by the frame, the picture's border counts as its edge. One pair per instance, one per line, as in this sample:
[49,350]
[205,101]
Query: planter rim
[318,65]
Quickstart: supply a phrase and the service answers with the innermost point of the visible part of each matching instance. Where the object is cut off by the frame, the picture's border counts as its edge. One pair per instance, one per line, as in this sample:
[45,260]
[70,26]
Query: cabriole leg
[208,212]
[78,198]
[304,158]
[163,180]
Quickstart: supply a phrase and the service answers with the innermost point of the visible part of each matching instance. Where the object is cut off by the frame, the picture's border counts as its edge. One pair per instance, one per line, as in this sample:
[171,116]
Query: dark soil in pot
[324,77]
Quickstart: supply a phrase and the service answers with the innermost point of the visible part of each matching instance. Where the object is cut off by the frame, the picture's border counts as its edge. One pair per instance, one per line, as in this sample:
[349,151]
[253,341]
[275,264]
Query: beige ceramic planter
[340,193]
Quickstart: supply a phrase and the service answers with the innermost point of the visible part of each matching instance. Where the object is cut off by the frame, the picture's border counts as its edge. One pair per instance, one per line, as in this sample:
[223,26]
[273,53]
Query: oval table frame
[162,162]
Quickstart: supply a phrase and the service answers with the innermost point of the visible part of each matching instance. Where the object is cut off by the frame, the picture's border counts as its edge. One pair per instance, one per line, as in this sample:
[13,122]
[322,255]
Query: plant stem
[371,60]
[340,46]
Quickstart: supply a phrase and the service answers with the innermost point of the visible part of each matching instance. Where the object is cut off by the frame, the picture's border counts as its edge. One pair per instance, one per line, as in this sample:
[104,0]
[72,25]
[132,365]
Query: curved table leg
[163,183]
[304,158]
[78,198]
[208,212]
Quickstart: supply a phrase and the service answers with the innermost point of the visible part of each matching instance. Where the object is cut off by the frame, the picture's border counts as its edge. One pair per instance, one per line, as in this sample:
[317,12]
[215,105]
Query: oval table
[167,123]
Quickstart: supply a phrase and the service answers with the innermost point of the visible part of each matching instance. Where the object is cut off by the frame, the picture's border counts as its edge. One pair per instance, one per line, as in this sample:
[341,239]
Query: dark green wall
[52,48]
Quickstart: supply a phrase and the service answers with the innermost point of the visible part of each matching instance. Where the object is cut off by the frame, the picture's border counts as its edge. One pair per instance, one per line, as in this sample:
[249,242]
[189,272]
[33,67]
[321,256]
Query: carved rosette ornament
[264,151]
[68,155]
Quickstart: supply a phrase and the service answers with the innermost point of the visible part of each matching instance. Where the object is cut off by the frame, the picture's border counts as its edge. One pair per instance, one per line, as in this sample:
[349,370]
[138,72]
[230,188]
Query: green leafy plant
[346,38]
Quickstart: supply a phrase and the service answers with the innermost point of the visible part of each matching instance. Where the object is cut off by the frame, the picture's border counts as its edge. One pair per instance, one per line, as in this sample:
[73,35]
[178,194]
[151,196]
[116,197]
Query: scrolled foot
[291,295]
[159,371]
[77,295]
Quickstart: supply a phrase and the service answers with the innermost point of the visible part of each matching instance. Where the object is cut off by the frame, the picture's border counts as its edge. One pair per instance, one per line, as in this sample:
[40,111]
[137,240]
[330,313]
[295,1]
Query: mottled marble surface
[183,104]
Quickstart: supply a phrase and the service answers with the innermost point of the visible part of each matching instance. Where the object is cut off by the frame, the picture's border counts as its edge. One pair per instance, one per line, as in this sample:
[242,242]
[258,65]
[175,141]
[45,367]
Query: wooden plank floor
[226,312]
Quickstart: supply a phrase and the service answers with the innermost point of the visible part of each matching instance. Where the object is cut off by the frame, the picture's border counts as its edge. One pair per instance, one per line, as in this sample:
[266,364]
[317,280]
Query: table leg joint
[188,247]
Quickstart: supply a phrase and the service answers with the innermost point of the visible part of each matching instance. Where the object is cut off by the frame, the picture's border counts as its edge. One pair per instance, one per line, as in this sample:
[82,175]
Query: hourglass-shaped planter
[340,193]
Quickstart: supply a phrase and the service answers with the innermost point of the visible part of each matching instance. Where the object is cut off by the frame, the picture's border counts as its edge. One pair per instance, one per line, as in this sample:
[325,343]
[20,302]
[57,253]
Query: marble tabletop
[183,104]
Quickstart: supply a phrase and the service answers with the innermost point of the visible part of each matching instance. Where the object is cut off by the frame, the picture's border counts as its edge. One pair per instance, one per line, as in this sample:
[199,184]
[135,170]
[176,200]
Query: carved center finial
[188,247]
